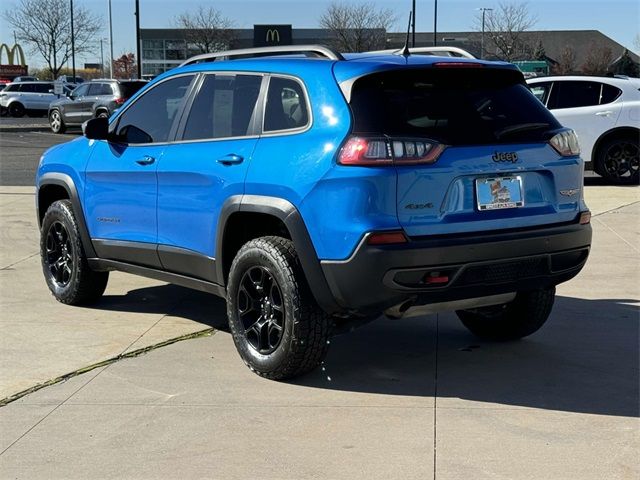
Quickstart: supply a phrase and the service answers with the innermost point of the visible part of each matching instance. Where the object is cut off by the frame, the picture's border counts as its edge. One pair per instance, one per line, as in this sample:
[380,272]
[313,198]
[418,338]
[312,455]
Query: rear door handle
[146,160]
[604,114]
[231,159]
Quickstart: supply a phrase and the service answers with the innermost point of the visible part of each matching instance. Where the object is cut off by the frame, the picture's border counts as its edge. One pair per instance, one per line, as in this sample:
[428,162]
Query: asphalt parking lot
[147,383]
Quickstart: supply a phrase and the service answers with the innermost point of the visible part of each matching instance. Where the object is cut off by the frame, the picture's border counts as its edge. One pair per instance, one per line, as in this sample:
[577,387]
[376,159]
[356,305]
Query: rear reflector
[386,238]
[585,217]
[434,278]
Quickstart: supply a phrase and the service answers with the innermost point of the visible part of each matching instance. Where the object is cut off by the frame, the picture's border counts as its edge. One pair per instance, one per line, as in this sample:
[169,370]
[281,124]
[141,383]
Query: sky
[619,19]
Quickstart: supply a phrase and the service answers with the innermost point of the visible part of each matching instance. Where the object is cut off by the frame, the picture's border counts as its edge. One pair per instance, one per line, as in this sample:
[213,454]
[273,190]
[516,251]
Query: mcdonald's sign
[11,54]
[15,63]
[268,35]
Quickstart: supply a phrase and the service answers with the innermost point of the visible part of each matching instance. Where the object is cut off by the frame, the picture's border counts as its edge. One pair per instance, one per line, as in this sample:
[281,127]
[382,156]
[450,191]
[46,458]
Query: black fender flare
[292,219]
[66,182]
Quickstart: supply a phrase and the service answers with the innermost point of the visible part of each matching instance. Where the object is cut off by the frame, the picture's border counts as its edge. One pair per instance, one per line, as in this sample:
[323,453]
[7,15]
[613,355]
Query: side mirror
[96,128]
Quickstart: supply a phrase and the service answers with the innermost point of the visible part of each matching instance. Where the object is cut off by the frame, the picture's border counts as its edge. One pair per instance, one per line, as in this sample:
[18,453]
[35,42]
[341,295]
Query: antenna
[405,50]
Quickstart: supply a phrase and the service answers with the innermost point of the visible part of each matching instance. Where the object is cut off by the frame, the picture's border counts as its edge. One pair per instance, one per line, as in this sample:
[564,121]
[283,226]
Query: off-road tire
[622,151]
[519,318]
[306,331]
[81,285]
[56,122]
[16,109]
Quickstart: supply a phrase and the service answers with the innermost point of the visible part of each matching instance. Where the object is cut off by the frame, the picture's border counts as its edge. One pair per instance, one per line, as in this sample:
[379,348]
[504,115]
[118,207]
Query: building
[163,49]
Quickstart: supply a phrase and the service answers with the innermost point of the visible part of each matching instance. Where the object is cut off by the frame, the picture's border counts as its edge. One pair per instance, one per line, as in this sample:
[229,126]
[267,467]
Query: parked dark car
[98,98]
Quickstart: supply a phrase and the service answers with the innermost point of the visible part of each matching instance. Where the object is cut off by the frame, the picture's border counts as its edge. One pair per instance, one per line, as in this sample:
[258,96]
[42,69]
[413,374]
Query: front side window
[572,94]
[80,91]
[150,118]
[286,105]
[223,107]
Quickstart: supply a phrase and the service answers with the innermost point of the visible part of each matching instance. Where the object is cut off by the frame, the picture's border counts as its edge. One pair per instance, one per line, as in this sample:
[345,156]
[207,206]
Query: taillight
[566,143]
[120,101]
[387,151]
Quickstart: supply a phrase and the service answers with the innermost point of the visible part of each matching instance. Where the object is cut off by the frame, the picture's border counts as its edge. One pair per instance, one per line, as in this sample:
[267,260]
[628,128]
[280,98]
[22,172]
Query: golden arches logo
[272,36]
[11,53]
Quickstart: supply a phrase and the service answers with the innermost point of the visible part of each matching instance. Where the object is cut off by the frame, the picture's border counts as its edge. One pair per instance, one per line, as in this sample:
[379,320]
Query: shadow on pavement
[585,359]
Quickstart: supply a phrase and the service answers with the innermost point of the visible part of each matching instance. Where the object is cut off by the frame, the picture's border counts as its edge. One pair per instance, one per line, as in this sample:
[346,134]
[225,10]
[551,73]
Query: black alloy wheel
[261,310]
[59,254]
[621,161]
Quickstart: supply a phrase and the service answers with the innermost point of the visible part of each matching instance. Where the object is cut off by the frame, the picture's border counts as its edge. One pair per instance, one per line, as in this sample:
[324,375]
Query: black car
[98,98]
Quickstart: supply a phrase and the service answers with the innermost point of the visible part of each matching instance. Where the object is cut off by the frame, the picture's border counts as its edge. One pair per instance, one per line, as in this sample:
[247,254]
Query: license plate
[499,192]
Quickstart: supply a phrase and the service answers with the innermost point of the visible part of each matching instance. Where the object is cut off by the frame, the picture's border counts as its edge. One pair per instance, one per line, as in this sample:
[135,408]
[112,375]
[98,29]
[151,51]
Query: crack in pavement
[132,354]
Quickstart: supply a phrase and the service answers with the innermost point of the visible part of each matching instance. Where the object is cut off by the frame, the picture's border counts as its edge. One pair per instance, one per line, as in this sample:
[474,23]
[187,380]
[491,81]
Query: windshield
[453,106]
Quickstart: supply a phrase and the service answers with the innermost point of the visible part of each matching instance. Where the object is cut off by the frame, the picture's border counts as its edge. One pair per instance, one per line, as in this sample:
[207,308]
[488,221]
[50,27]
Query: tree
[206,29]
[45,26]
[626,66]
[504,26]
[125,66]
[566,63]
[359,27]
[597,60]
[540,53]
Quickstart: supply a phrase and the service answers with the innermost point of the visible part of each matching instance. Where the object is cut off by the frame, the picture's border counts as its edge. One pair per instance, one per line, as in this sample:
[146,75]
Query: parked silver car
[27,97]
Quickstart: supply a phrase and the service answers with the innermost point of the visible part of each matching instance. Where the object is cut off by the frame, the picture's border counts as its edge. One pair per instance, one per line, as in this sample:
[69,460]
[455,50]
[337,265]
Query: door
[587,108]
[121,187]
[71,110]
[97,91]
[206,166]
[43,97]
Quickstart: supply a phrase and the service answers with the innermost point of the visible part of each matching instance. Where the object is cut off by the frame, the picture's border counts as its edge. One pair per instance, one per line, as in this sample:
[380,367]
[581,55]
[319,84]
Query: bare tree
[597,60]
[206,29]
[504,27]
[566,62]
[359,27]
[45,26]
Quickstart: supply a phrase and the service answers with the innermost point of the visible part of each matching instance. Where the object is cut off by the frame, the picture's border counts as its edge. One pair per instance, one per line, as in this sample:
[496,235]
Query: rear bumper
[375,278]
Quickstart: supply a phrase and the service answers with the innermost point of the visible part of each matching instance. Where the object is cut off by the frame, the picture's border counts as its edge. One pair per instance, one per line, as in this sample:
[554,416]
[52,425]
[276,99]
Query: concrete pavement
[418,398]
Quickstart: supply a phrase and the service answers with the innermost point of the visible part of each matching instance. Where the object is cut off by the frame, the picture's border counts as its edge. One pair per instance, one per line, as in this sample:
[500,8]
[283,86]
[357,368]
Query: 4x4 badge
[505,157]
[569,192]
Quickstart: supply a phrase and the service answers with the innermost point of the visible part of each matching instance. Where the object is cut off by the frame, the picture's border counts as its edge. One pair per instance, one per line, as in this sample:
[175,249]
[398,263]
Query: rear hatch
[471,147]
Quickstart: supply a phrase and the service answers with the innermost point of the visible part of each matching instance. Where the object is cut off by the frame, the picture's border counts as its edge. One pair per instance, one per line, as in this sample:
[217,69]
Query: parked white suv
[27,97]
[605,113]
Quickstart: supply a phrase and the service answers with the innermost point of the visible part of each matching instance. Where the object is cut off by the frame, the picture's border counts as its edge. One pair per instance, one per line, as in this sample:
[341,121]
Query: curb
[21,128]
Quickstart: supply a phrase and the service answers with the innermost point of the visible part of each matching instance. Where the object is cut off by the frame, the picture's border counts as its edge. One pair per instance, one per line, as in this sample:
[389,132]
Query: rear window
[455,106]
[127,89]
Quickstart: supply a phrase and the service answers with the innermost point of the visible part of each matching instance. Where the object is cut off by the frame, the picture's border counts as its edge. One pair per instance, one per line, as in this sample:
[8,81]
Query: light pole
[110,43]
[483,10]
[138,59]
[73,45]
[102,58]
[435,23]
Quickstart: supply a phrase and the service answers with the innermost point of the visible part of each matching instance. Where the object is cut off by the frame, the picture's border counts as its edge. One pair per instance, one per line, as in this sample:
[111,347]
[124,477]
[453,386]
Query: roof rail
[443,51]
[308,50]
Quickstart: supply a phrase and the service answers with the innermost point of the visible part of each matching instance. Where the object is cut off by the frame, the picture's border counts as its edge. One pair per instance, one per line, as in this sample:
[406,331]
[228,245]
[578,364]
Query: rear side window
[223,107]
[572,94]
[609,94]
[100,89]
[286,105]
[42,87]
[452,106]
[150,118]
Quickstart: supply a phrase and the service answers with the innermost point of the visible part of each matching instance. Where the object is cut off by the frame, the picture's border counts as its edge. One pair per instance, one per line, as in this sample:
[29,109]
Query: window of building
[150,118]
[223,107]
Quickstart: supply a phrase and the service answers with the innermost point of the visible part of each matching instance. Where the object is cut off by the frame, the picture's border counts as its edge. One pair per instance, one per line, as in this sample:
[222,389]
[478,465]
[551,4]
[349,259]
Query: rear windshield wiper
[521,127]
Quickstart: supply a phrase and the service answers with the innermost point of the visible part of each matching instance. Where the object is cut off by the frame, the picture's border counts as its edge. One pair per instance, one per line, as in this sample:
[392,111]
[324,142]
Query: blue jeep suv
[312,190]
